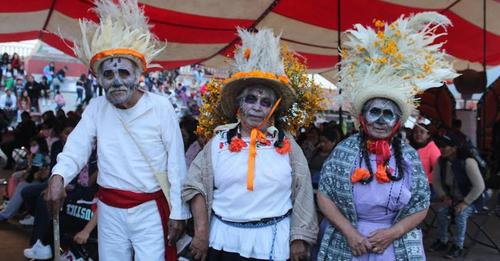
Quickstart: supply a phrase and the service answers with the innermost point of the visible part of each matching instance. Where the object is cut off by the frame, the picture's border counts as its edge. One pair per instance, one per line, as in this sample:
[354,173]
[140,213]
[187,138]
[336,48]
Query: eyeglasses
[374,114]
[252,99]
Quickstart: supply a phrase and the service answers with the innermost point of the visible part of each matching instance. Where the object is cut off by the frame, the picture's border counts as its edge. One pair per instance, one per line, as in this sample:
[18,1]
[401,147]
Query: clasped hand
[376,242]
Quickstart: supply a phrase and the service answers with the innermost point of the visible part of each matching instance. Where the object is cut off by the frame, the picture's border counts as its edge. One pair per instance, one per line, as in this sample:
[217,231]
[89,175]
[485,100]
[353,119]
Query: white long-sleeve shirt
[153,124]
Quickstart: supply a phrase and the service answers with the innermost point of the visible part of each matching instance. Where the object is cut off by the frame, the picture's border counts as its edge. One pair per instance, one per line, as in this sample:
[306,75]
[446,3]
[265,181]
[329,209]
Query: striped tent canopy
[203,31]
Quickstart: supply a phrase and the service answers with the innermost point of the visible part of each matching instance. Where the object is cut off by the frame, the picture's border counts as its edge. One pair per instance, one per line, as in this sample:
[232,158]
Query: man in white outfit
[139,145]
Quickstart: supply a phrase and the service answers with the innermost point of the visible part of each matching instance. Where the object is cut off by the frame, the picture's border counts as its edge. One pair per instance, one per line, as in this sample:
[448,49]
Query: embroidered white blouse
[153,124]
[272,192]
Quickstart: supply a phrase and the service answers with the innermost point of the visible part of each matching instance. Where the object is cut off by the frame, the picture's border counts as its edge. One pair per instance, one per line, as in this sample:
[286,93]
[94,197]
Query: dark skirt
[219,255]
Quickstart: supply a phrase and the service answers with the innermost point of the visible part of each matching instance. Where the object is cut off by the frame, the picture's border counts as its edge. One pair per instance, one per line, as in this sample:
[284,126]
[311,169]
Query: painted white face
[381,116]
[119,77]
[255,105]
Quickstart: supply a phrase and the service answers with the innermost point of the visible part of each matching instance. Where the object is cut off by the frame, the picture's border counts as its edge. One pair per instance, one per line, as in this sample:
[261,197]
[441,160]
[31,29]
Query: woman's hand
[380,239]
[358,243]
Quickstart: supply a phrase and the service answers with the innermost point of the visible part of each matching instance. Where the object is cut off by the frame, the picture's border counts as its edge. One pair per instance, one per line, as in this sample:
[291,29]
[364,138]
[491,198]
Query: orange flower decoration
[359,175]
[381,174]
[286,148]
[247,53]
[236,144]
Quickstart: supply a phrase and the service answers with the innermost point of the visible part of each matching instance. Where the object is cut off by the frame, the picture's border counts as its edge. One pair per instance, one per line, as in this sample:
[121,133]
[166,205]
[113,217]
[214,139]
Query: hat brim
[232,89]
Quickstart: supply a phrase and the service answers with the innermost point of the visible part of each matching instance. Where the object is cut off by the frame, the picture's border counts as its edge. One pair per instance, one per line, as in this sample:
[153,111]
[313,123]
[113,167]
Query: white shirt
[3,101]
[272,192]
[153,124]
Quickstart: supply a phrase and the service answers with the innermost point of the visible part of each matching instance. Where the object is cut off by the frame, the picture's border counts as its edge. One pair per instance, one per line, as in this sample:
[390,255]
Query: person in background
[80,88]
[427,150]
[49,72]
[310,142]
[59,78]
[15,61]
[59,100]
[458,183]
[19,87]
[327,141]
[45,90]
[34,92]
[23,104]
[8,103]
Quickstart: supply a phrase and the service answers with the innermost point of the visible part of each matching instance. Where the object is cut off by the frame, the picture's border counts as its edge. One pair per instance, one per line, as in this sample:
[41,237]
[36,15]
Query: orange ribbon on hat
[118,52]
[257,134]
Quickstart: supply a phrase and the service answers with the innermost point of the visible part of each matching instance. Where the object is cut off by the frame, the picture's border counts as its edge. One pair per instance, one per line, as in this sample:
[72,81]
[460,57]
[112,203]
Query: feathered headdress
[394,61]
[123,31]
[257,61]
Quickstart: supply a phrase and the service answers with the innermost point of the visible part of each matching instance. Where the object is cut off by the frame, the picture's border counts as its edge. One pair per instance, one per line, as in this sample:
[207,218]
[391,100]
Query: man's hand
[55,194]
[298,250]
[380,239]
[199,246]
[175,230]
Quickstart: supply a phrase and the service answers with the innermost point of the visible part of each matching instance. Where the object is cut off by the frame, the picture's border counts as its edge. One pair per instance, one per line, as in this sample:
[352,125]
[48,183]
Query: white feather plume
[121,25]
[264,50]
[395,62]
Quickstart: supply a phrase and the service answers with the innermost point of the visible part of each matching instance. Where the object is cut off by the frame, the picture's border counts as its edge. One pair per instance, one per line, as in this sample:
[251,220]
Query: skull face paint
[381,116]
[119,77]
[255,104]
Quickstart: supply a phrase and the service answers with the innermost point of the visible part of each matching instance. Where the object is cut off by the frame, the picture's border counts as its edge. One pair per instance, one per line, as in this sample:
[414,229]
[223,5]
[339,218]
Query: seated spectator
[458,183]
[23,104]
[8,103]
[29,178]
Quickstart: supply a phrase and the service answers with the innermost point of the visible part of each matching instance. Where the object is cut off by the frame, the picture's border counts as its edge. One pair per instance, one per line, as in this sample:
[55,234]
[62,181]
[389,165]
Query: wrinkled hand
[81,237]
[460,207]
[380,239]
[358,243]
[199,246]
[55,194]
[298,250]
[175,230]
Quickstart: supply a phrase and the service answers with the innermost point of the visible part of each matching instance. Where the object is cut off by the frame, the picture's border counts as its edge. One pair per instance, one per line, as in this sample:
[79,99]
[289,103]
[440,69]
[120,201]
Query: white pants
[130,234]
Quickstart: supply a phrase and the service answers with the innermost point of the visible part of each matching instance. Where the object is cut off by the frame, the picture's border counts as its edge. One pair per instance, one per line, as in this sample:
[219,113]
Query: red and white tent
[203,31]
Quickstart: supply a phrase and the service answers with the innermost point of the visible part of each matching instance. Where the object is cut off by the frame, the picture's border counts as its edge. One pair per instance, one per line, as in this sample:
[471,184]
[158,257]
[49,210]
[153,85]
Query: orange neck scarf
[257,135]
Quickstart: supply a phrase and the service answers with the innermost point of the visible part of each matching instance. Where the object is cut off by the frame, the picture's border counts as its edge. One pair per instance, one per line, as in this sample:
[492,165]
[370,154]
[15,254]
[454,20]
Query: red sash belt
[126,199]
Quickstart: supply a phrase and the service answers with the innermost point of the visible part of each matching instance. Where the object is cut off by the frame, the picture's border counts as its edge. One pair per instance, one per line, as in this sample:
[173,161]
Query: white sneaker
[27,221]
[38,251]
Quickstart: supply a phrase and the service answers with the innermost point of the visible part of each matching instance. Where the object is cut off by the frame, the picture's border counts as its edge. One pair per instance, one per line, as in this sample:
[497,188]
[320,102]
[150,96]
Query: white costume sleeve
[78,147]
[176,164]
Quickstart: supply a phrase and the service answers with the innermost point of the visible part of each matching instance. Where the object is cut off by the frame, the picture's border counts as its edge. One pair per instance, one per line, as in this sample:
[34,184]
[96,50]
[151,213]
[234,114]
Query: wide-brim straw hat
[233,88]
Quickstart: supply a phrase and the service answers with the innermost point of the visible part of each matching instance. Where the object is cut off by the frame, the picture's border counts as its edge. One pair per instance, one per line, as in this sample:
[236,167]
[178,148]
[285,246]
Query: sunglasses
[252,99]
[374,114]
